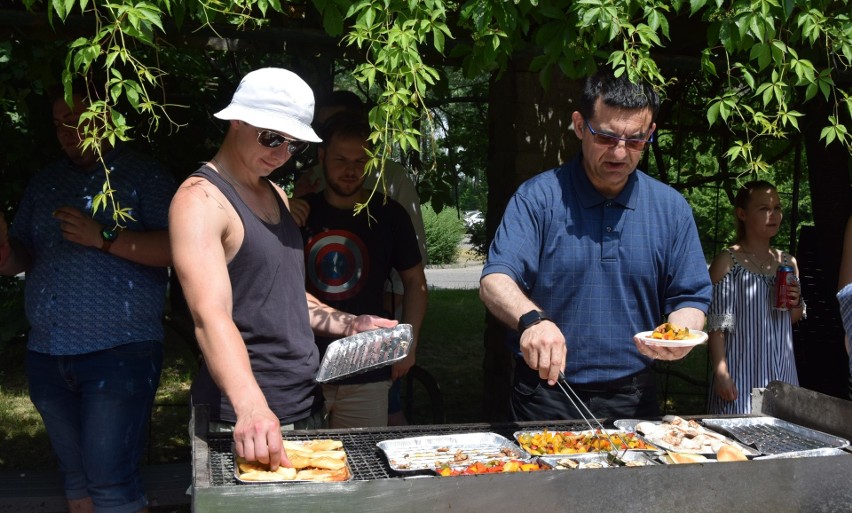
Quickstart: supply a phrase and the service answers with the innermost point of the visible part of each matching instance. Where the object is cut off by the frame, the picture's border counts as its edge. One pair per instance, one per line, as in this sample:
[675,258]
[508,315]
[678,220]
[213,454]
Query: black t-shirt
[349,257]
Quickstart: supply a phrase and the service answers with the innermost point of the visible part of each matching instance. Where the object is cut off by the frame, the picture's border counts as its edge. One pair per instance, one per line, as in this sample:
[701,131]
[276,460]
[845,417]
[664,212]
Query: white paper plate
[700,338]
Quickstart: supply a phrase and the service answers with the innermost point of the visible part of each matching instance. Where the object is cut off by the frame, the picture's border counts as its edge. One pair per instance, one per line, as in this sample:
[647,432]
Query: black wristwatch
[108,237]
[531,318]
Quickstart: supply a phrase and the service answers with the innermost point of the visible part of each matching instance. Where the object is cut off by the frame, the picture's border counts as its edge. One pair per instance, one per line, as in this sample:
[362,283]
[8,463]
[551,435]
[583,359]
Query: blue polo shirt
[79,299]
[603,269]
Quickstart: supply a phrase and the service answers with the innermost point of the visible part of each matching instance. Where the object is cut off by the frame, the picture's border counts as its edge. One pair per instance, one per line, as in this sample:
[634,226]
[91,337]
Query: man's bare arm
[543,345]
[199,223]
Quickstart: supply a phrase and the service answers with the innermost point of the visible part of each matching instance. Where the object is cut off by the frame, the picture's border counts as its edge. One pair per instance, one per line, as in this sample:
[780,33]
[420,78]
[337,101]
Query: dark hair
[340,98]
[617,92]
[86,90]
[742,199]
[346,123]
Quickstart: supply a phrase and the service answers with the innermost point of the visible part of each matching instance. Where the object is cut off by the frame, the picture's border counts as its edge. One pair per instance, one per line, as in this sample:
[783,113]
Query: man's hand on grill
[257,437]
[544,350]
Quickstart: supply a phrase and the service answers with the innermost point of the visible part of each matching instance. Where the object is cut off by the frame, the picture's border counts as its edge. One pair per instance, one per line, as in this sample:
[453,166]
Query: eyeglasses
[270,139]
[612,141]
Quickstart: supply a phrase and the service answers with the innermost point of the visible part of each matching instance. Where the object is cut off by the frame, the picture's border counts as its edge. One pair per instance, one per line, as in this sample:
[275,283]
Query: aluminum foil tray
[598,460]
[615,434]
[706,449]
[365,351]
[775,436]
[828,451]
[430,452]
[463,470]
[238,478]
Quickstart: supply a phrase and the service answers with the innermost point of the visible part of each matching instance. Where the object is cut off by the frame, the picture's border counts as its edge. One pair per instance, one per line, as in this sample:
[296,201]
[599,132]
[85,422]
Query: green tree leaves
[767,59]
[774,57]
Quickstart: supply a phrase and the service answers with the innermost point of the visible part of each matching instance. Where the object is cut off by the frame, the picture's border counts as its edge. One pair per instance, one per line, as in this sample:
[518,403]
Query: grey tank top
[270,309]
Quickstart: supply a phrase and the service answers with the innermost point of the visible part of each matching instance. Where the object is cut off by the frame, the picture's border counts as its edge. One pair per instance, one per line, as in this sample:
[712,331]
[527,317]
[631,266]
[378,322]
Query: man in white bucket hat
[239,257]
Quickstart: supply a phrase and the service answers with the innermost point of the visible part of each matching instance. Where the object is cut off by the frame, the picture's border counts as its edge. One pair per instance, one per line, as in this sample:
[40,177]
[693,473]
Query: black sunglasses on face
[270,139]
[612,141]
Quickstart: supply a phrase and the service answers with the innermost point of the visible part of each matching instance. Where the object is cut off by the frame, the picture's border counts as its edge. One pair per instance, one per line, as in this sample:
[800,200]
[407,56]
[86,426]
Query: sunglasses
[270,139]
[612,141]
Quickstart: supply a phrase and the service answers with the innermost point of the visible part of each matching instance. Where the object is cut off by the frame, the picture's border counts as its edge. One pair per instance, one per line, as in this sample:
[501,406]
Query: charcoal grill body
[784,485]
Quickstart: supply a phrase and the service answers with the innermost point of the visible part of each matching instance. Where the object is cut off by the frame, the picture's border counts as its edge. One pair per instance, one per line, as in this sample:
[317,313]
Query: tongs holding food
[613,457]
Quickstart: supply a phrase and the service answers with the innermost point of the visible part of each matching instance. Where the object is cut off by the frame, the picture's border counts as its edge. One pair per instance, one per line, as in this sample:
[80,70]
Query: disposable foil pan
[239,479]
[775,436]
[431,452]
[466,470]
[365,351]
[711,437]
[598,460]
[618,436]
[828,451]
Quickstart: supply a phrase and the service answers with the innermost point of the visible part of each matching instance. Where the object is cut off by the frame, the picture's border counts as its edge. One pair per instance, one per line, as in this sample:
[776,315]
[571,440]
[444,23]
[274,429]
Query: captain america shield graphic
[336,264]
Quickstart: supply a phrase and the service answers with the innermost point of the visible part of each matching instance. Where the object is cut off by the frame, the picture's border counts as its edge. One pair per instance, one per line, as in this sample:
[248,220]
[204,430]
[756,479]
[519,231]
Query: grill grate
[774,436]
[365,459]
[774,440]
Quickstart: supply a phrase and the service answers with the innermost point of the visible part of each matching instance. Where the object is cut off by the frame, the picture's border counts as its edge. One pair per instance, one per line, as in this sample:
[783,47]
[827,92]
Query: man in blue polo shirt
[589,254]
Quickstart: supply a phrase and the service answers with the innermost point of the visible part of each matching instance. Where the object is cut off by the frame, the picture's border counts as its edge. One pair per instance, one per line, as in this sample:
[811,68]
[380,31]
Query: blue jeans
[95,408]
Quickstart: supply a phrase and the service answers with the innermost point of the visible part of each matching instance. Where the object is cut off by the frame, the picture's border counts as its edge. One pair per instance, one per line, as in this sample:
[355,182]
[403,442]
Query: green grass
[451,349]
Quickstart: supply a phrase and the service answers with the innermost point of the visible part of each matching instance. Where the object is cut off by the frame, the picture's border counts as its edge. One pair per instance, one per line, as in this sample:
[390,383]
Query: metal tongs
[613,457]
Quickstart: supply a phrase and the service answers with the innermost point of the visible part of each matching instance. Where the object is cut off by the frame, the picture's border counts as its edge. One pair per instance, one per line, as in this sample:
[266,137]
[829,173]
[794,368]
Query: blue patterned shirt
[80,299]
[603,269]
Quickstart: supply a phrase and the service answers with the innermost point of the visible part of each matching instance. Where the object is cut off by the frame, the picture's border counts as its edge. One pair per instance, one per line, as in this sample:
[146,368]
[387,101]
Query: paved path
[455,277]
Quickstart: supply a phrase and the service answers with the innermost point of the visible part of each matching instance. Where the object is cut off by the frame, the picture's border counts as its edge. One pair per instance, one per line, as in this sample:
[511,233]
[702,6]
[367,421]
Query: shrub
[444,233]
[478,239]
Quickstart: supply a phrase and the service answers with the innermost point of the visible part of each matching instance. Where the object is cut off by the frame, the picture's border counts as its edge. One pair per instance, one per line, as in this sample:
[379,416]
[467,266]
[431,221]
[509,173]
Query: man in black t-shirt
[349,257]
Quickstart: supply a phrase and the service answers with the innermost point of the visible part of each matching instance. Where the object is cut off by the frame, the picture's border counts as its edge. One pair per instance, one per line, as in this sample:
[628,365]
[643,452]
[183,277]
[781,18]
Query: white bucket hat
[276,99]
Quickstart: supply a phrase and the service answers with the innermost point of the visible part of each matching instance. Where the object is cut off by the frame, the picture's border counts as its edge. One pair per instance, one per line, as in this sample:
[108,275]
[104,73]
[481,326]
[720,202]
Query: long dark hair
[741,200]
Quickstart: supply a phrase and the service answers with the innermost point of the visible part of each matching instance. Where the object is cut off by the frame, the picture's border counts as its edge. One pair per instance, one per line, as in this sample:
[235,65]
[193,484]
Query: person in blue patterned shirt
[589,254]
[94,294]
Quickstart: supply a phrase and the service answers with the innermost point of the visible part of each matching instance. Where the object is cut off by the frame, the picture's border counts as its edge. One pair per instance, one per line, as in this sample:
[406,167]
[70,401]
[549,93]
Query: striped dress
[844,297]
[758,338]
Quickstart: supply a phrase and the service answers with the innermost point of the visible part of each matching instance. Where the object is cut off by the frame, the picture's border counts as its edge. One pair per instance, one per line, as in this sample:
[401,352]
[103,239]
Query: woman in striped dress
[751,343]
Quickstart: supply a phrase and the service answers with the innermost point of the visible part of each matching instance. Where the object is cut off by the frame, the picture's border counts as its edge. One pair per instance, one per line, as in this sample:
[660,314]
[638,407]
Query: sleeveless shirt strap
[733,258]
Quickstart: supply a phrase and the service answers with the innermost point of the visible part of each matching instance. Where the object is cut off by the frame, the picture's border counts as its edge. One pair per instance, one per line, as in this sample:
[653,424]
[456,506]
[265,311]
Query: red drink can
[784,276]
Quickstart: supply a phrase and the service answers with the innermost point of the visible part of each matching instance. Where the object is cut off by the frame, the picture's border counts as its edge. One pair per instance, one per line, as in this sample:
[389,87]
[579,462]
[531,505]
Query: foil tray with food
[677,435]
[313,461]
[493,467]
[775,436]
[546,442]
[724,453]
[431,453]
[600,460]
[364,351]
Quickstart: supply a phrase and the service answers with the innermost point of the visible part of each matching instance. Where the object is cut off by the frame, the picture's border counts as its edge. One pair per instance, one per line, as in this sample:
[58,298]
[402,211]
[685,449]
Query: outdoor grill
[807,484]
